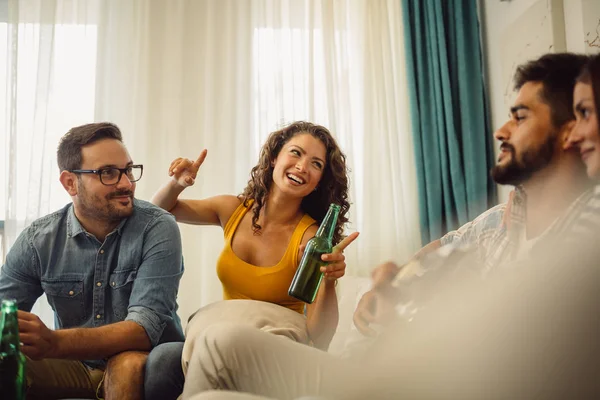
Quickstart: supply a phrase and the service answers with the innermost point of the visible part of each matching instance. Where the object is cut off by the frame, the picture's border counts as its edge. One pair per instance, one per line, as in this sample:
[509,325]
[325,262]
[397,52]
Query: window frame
[2,241]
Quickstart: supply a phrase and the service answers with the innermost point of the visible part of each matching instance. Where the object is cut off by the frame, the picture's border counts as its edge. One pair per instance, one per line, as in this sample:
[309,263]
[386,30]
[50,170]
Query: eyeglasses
[110,176]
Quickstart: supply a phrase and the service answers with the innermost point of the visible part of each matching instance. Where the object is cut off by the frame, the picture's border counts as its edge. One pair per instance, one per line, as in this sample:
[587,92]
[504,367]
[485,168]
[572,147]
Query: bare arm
[322,316]
[428,248]
[212,211]
[101,342]
[166,197]
[385,273]
[79,343]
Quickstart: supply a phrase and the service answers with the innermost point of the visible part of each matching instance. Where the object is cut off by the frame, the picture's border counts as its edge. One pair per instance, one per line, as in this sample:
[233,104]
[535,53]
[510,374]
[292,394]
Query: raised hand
[184,170]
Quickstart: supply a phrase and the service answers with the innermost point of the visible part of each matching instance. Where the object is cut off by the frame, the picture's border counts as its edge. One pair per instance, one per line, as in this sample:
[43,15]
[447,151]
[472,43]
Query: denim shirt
[132,276]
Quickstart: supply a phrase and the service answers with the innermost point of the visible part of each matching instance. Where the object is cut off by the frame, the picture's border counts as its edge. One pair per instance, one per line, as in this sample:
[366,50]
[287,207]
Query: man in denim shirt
[110,266]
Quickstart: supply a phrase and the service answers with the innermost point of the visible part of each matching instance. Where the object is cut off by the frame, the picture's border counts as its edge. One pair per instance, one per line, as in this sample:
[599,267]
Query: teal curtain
[449,113]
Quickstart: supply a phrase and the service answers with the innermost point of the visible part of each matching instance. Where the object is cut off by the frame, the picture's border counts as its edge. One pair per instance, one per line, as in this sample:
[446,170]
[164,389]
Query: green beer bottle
[12,361]
[307,279]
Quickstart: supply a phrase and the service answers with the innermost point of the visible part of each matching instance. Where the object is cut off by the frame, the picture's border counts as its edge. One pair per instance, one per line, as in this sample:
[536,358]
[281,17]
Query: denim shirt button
[113,284]
[102,251]
[99,284]
[98,316]
[71,293]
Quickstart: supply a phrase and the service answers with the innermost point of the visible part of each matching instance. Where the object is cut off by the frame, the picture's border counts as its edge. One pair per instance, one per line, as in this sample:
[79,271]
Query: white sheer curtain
[47,86]
[179,76]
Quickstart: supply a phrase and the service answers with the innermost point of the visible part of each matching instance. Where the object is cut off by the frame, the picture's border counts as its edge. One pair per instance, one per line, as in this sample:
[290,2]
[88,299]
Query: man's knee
[127,366]
[124,376]
[164,376]
[127,361]
[164,356]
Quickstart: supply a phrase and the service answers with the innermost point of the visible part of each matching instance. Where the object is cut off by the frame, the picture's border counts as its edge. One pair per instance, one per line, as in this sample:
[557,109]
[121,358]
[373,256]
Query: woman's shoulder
[229,200]
[309,231]
[228,203]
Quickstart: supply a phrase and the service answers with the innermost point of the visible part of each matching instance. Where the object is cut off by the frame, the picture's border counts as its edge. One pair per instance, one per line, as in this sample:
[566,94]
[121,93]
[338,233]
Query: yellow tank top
[242,280]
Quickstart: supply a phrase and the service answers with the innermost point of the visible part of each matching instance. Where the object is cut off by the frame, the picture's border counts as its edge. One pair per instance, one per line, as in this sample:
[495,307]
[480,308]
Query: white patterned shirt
[497,233]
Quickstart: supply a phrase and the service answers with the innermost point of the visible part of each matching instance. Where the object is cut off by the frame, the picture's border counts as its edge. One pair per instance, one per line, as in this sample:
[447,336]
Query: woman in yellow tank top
[301,170]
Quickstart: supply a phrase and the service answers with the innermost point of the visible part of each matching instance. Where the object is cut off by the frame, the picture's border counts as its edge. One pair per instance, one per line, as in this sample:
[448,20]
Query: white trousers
[528,333]
[244,359]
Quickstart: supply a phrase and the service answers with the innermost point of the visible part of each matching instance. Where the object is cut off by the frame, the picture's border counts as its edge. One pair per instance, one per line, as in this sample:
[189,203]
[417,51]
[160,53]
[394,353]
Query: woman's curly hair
[332,188]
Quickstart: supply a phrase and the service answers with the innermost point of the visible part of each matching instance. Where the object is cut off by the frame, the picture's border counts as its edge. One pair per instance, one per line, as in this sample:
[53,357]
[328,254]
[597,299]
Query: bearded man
[551,186]
[110,267]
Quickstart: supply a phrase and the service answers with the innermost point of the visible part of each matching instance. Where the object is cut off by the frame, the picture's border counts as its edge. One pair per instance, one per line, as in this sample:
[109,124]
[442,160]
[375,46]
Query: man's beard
[100,209]
[517,172]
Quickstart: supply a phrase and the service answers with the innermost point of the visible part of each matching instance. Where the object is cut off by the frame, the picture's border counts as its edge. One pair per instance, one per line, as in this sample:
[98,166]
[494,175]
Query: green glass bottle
[307,279]
[12,361]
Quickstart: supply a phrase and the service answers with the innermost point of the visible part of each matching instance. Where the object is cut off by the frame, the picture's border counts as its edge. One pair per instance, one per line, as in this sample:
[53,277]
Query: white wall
[573,10]
[499,20]
[515,31]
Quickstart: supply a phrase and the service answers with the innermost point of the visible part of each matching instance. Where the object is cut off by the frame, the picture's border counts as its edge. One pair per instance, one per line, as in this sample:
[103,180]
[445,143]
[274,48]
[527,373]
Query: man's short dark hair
[68,155]
[557,72]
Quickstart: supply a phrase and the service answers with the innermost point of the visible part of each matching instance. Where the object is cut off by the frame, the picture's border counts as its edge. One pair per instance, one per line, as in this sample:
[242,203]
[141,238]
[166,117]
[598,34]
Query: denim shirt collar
[75,228]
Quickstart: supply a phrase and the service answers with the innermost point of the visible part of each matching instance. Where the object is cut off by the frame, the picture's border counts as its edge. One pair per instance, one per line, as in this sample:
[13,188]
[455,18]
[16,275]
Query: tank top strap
[236,218]
[306,222]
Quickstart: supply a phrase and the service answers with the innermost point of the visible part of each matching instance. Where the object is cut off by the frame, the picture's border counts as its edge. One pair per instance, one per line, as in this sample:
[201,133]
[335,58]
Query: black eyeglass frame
[121,172]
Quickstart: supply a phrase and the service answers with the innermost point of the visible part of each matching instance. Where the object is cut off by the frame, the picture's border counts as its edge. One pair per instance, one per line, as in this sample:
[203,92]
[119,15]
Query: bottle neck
[9,327]
[327,227]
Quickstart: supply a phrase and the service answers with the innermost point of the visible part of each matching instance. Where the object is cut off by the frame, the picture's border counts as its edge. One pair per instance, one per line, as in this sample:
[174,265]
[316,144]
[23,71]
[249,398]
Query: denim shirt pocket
[121,283]
[66,298]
